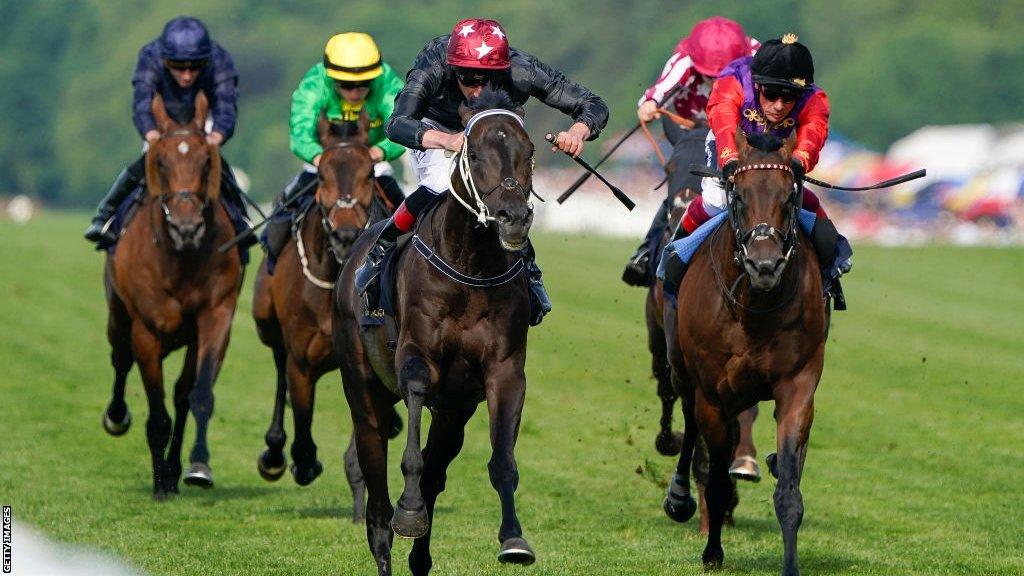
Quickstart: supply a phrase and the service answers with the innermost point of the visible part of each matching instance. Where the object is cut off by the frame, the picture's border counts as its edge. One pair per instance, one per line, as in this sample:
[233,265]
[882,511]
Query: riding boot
[371,267]
[638,270]
[540,304]
[825,238]
[233,194]
[392,190]
[98,230]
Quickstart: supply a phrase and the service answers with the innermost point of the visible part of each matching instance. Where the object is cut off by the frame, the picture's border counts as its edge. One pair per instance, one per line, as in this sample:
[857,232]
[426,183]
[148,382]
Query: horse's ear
[323,129]
[788,146]
[741,143]
[201,109]
[214,175]
[465,113]
[364,126]
[163,120]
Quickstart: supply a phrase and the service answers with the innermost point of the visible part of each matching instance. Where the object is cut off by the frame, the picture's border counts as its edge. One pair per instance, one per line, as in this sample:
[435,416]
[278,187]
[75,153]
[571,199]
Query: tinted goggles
[773,93]
[350,85]
[193,65]
[472,78]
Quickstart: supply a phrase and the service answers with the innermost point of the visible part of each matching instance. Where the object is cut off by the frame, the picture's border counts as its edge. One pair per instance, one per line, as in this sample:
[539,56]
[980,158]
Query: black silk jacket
[431,92]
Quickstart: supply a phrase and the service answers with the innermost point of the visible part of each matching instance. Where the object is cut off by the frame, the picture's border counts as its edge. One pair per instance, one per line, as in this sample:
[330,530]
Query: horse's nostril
[503,216]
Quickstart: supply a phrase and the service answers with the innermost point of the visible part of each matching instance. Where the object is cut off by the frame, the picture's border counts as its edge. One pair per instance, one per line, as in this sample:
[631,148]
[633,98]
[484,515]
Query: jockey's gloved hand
[729,169]
[798,168]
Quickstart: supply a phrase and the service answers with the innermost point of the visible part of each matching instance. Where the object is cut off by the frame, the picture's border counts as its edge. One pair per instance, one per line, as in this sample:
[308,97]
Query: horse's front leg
[668,443]
[181,391]
[744,463]
[116,418]
[147,349]
[271,463]
[302,390]
[679,504]
[214,328]
[411,519]
[794,413]
[718,433]
[506,392]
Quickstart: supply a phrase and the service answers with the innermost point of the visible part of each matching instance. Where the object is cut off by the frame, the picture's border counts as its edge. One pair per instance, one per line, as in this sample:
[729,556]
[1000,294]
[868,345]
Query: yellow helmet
[353,57]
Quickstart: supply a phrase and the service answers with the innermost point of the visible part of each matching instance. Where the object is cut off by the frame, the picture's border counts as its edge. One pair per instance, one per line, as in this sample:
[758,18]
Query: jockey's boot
[371,267]
[298,186]
[391,189]
[638,269]
[234,195]
[825,237]
[98,230]
[540,304]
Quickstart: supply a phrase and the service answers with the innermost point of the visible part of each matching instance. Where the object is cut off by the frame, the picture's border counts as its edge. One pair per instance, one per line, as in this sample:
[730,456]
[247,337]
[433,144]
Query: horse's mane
[491,98]
[764,141]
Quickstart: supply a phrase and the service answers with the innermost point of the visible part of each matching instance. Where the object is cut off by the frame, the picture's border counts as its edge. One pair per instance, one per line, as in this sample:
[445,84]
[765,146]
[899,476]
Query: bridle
[461,161]
[345,202]
[763,230]
[185,195]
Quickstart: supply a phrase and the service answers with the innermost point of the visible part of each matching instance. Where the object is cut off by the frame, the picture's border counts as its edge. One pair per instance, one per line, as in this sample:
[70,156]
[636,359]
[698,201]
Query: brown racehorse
[292,308]
[457,344]
[168,287]
[752,326]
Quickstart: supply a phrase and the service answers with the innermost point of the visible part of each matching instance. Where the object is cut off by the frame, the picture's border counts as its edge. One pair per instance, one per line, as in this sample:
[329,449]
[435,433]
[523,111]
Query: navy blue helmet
[185,39]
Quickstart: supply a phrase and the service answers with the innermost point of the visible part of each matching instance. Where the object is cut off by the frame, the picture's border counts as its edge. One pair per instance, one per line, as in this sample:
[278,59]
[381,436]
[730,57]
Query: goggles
[472,78]
[352,85]
[773,93]
[192,65]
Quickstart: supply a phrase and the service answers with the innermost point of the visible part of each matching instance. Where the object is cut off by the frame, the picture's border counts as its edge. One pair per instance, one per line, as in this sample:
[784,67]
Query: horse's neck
[317,245]
[468,246]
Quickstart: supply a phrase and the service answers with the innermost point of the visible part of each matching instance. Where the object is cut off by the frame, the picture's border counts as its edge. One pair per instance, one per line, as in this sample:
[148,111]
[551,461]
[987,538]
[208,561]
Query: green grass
[914,467]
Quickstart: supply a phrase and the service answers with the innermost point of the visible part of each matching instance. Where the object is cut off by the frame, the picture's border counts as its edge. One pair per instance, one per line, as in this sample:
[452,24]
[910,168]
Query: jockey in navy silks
[178,65]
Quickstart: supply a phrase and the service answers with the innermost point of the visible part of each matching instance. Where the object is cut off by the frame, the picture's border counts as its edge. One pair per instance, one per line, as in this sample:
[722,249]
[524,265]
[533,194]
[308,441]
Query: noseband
[461,161]
[763,230]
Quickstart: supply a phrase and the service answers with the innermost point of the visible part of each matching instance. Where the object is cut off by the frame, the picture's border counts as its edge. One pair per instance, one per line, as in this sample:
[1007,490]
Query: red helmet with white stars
[479,43]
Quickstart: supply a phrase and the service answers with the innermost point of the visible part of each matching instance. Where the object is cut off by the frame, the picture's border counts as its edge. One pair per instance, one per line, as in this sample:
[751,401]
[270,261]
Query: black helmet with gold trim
[783,62]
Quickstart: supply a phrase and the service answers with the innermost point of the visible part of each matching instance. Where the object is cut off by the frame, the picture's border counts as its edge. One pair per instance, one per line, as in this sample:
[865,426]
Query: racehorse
[751,325]
[462,310]
[292,307]
[168,287]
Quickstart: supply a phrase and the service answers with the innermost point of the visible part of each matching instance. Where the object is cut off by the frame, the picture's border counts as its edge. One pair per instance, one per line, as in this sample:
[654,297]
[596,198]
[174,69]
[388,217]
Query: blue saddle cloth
[286,217]
[129,206]
[685,248]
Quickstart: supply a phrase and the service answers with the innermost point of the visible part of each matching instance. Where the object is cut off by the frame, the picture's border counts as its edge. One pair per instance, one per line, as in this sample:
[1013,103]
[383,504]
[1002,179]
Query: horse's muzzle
[186,234]
[514,228]
[764,273]
[341,240]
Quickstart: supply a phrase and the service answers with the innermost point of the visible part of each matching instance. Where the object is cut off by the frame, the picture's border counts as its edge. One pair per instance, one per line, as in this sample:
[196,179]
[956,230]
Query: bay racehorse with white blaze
[169,287]
[462,311]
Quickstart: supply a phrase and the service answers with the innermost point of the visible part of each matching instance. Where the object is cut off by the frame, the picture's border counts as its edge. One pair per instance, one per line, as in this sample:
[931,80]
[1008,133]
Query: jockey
[178,65]
[351,78]
[448,71]
[773,92]
[693,67]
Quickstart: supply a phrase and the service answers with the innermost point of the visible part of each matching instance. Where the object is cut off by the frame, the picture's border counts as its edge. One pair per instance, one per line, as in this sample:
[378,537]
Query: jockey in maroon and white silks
[696,63]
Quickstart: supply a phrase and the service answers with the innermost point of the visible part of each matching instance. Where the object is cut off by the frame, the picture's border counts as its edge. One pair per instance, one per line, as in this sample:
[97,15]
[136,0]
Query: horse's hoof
[516,551]
[410,524]
[680,509]
[713,558]
[304,475]
[270,471]
[745,468]
[668,443]
[396,425]
[160,495]
[199,475]
[117,428]
[772,460]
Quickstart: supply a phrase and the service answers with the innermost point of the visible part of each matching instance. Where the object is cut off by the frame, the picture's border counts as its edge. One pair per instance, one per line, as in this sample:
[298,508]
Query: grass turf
[914,465]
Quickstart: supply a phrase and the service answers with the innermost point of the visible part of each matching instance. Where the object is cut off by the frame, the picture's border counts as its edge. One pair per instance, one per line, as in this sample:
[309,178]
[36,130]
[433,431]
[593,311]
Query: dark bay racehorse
[457,344]
[292,307]
[168,287]
[752,326]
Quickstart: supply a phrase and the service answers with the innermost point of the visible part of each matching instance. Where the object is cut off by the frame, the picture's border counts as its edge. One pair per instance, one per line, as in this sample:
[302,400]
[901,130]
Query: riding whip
[629,204]
[586,175]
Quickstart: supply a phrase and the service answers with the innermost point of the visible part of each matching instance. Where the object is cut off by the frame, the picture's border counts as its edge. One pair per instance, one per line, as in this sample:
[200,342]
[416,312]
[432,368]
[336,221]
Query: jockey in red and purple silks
[773,92]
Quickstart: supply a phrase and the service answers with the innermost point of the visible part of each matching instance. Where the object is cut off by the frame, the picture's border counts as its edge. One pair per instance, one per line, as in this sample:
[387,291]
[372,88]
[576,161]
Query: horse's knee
[503,472]
[414,377]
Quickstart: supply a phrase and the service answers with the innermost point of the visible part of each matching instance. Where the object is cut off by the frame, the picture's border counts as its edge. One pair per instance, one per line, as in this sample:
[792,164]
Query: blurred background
[913,84]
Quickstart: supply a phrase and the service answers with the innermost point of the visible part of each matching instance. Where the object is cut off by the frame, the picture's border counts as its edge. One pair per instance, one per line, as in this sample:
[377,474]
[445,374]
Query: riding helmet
[185,39]
[352,57]
[783,62]
[715,42]
[479,43]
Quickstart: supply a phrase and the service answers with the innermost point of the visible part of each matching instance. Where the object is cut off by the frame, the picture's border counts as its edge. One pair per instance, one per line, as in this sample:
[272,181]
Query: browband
[493,112]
